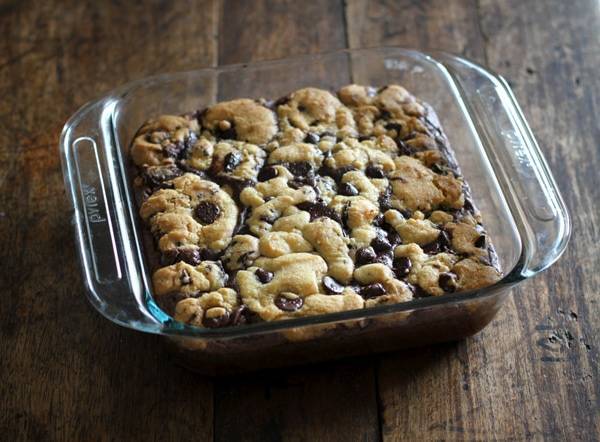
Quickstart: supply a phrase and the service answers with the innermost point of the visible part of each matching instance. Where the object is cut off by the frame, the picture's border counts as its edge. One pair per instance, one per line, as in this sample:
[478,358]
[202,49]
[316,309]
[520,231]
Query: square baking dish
[511,184]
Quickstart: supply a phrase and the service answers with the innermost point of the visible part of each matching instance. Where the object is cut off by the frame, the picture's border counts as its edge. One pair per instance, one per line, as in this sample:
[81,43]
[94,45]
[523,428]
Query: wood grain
[68,374]
[430,24]
[269,29]
[533,373]
[556,81]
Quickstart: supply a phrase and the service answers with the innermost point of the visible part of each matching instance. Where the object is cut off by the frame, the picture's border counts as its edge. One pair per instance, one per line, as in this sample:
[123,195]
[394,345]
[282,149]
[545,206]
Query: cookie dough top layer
[314,203]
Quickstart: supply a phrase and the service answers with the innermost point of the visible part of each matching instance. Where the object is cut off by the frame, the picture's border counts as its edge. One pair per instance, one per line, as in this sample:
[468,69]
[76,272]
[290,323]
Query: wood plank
[334,401]
[269,29]
[67,373]
[431,24]
[556,82]
[533,373]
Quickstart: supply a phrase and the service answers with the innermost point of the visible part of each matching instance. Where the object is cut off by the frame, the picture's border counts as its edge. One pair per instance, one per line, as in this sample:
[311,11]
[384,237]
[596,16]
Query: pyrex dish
[522,209]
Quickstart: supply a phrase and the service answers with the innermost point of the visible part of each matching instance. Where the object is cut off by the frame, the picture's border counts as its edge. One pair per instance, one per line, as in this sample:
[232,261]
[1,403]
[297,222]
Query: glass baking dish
[499,157]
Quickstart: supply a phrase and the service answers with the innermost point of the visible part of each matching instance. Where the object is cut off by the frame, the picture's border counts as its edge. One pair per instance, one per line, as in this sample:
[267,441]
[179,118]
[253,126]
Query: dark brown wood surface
[68,374]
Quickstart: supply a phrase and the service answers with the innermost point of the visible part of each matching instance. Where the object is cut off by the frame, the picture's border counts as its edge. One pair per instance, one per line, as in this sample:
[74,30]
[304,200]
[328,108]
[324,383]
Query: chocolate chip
[364,138]
[309,180]
[155,176]
[379,220]
[207,212]
[374,172]
[283,100]
[311,138]
[199,114]
[407,214]
[263,276]
[227,134]
[173,150]
[169,257]
[381,244]
[393,237]
[231,161]
[188,255]
[394,126]
[319,210]
[217,321]
[289,303]
[402,266]
[480,242]
[301,108]
[441,244]
[372,291]
[267,173]
[347,189]
[244,230]
[332,286]
[335,173]
[301,168]
[365,255]
[447,282]
[208,255]
[236,184]
[468,206]
[444,240]
[432,248]
[384,115]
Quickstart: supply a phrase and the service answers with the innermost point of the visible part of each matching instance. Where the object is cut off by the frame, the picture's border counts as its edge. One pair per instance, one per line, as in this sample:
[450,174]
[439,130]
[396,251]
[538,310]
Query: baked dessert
[314,203]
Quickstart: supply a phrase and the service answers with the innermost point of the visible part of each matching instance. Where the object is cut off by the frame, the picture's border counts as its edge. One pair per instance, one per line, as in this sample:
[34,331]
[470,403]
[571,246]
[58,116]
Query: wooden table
[68,374]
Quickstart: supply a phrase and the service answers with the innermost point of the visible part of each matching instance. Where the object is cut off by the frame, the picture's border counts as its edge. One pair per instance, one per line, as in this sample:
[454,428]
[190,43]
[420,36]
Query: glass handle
[96,216]
[522,171]
[545,215]
[114,278]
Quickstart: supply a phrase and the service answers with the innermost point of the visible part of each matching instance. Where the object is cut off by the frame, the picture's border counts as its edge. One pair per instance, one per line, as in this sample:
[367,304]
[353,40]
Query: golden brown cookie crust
[315,203]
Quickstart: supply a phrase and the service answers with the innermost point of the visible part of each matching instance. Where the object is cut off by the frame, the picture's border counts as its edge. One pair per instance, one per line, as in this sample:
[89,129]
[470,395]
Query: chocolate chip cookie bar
[314,203]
